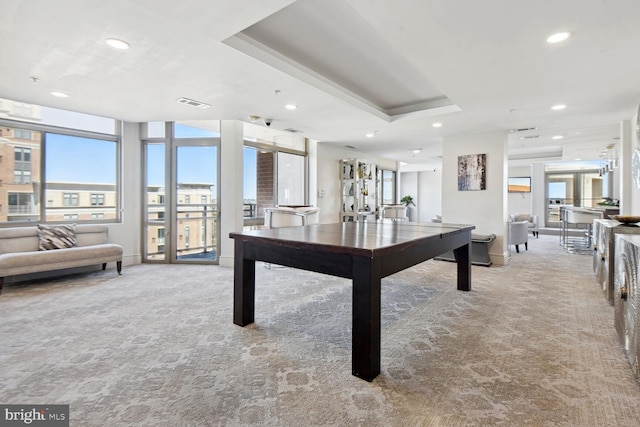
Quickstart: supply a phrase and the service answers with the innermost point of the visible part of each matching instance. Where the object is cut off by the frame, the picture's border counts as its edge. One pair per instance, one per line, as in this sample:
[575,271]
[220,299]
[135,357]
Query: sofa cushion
[56,236]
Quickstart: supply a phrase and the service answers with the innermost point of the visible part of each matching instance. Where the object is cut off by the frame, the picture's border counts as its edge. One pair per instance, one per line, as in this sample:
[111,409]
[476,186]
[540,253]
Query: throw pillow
[522,217]
[56,236]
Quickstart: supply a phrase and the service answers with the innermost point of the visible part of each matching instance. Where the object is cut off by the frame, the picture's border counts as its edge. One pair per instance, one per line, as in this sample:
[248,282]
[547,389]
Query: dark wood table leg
[365,351]
[244,287]
[463,259]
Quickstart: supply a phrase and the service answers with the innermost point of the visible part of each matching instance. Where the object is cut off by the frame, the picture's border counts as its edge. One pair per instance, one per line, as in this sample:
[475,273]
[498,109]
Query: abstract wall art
[472,172]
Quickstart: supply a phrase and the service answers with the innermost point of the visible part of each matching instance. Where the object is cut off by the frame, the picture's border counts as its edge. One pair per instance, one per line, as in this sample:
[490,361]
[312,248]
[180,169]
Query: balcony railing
[201,242]
[23,209]
[249,211]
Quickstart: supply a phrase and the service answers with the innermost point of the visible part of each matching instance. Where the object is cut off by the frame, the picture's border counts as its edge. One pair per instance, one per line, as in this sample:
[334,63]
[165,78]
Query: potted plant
[407,201]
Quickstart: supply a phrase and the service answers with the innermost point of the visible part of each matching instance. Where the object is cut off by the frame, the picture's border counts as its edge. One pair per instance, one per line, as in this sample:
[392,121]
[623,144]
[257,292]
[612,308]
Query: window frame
[97,199]
[22,167]
[274,149]
[70,199]
[44,129]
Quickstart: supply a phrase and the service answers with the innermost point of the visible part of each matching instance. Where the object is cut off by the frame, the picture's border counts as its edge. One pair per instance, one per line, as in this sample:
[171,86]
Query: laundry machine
[604,254]
[626,302]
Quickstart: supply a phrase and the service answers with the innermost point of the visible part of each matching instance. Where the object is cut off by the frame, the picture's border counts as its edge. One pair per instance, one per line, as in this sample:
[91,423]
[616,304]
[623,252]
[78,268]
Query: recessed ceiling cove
[326,44]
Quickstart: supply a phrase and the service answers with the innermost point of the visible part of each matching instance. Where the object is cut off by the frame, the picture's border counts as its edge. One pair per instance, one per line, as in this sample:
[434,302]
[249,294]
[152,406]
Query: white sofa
[20,251]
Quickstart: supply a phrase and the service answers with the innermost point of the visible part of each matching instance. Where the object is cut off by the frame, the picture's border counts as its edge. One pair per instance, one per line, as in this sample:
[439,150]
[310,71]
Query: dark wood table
[362,251]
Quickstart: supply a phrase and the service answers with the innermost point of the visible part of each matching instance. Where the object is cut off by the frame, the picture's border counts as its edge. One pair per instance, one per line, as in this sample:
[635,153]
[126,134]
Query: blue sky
[91,160]
[94,161]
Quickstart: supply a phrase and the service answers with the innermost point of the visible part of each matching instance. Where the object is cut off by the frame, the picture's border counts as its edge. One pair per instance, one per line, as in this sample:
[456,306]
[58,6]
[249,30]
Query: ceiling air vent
[522,129]
[292,130]
[530,137]
[193,103]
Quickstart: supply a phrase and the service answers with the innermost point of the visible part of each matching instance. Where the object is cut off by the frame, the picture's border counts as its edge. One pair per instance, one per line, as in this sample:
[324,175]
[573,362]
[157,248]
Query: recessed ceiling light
[558,37]
[559,107]
[118,44]
[417,151]
[60,94]
[290,106]
[437,125]
[370,135]
[557,137]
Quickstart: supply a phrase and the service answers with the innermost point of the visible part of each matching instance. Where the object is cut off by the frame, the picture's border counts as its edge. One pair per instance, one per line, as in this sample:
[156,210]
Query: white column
[625,152]
[127,233]
[231,187]
[486,209]
[312,172]
[538,201]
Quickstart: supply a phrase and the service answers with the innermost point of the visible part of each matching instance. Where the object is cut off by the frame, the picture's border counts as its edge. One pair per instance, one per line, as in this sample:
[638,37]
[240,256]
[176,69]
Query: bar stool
[583,221]
[564,231]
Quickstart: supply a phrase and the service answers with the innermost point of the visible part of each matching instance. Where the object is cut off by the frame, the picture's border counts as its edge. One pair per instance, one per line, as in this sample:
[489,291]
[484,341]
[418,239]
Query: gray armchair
[394,212]
[519,234]
[531,219]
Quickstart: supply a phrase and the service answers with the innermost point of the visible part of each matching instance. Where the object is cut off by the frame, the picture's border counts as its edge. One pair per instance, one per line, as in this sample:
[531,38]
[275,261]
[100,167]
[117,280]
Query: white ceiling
[351,66]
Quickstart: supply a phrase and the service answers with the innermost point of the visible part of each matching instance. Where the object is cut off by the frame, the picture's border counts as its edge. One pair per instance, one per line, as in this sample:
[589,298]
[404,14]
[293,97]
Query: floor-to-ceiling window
[58,166]
[258,183]
[387,180]
[195,208]
[181,225]
[274,172]
[571,185]
[291,181]
[155,216]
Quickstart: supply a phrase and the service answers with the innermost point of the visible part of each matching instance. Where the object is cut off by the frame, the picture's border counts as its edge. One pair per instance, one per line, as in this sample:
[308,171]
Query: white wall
[486,209]
[424,184]
[312,170]
[625,182]
[429,194]
[538,193]
[128,232]
[409,187]
[519,202]
[231,190]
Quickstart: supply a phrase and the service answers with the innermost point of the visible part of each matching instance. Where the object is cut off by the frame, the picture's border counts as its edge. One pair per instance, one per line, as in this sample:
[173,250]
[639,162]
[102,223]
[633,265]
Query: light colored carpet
[533,344]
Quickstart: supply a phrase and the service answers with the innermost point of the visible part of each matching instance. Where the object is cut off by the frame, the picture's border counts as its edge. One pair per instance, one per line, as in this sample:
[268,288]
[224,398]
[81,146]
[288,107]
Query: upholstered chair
[394,212]
[531,219]
[519,234]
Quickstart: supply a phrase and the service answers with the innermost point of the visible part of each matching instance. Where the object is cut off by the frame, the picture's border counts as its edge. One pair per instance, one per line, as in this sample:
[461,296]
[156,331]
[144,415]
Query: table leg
[365,339]
[463,259]
[244,287]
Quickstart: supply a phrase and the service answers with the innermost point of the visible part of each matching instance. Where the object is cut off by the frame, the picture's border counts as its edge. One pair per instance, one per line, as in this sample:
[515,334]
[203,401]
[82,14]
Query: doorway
[195,213]
[182,224]
[571,189]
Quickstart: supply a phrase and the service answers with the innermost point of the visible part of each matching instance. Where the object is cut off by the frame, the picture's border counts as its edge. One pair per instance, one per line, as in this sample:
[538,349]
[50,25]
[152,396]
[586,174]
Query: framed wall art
[472,172]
